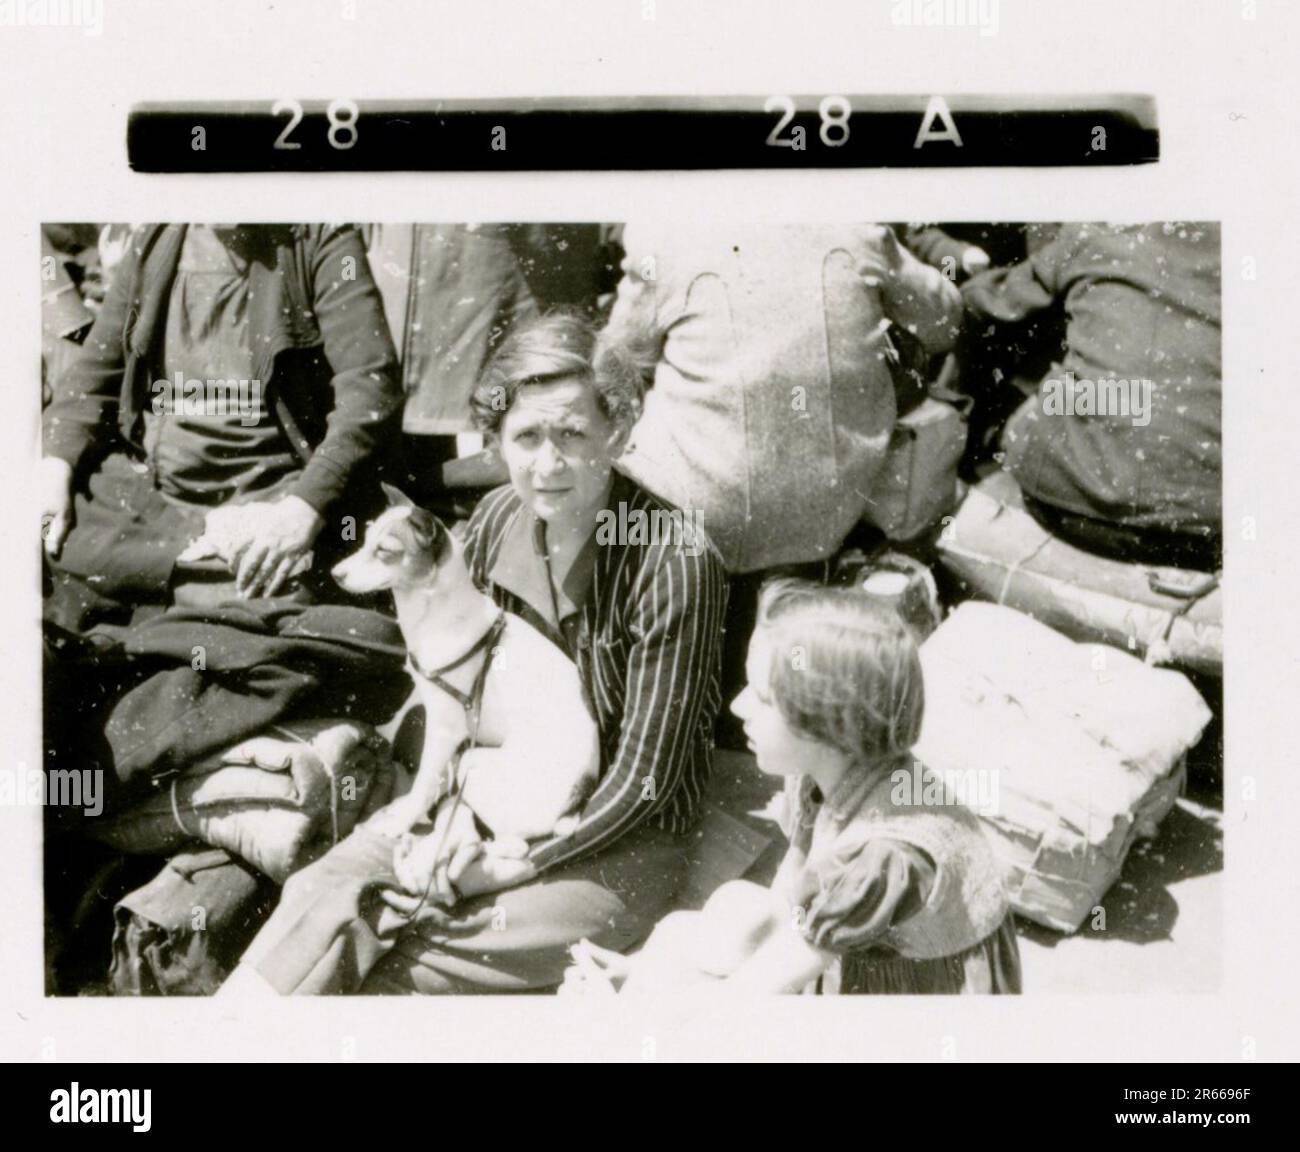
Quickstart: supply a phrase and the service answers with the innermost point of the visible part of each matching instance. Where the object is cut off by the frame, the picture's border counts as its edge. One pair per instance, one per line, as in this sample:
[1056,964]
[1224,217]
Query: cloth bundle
[1073,750]
[995,550]
[276,801]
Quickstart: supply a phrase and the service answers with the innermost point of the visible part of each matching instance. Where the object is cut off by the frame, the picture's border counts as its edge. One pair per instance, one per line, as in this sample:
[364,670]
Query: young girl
[876,893]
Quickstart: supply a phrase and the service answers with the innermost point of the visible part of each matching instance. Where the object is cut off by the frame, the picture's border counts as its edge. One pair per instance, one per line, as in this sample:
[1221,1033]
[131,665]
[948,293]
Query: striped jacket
[647,641]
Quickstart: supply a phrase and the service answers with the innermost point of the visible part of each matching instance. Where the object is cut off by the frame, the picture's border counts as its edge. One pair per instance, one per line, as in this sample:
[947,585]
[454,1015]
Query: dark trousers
[121,551]
[1201,553]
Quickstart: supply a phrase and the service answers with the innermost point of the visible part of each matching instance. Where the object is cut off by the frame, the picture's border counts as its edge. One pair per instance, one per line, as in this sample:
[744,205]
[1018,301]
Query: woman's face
[778,748]
[559,447]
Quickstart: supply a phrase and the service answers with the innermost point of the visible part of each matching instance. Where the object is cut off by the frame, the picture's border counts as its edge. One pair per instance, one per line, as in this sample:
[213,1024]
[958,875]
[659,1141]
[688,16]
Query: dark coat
[322,348]
[1141,302]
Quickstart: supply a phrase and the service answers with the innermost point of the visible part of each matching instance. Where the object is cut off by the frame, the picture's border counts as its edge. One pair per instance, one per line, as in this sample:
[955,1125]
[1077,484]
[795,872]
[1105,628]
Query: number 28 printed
[342,116]
[834,112]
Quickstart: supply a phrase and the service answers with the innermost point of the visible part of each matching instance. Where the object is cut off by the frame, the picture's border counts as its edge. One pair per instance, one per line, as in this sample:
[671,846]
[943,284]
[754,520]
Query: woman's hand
[472,870]
[433,863]
[422,869]
[492,872]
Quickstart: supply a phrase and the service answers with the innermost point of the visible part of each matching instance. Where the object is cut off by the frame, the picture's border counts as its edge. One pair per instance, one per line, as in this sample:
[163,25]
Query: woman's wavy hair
[560,345]
[845,669]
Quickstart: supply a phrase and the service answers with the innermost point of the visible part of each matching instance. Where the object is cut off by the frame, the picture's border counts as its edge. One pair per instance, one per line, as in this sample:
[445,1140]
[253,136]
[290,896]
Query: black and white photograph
[618,524]
[594,608]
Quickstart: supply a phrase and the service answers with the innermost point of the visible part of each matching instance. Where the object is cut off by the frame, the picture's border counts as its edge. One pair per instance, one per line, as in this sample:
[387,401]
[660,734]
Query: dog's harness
[472,702]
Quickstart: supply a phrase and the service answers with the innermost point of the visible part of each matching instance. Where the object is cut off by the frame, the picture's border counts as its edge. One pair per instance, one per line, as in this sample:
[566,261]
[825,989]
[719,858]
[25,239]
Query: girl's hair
[560,345]
[845,669]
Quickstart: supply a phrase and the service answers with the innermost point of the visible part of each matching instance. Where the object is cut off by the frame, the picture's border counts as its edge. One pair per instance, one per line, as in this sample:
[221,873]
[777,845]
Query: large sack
[1068,752]
[277,801]
[997,551]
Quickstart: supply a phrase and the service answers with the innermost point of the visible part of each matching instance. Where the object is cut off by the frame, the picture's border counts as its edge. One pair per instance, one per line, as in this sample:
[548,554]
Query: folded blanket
[277,801]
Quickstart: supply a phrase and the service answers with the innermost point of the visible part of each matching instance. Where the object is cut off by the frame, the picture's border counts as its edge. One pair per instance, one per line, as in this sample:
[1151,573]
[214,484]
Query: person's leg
[126,536]
[687,949]
[1200,553]
[519,940]
[325,935]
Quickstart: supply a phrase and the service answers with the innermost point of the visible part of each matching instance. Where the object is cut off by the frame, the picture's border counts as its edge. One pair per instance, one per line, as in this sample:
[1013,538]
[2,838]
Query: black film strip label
[645,134]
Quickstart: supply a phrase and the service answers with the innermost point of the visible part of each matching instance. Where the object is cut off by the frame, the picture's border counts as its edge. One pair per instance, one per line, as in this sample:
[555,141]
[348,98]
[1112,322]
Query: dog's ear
[430,532]
[396,497]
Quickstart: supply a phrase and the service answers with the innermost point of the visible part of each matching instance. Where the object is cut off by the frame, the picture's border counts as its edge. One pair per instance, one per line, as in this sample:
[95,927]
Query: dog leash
[473,705]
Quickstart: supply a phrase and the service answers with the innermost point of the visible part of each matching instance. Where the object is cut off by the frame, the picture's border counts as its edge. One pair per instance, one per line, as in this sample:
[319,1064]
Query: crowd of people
[222,408]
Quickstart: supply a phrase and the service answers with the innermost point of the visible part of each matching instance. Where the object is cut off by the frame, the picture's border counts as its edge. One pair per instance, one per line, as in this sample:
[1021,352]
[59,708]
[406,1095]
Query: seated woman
[640,615]
[876,893]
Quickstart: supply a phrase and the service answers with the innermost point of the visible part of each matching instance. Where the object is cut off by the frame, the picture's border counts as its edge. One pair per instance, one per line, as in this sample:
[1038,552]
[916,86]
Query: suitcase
[335,773]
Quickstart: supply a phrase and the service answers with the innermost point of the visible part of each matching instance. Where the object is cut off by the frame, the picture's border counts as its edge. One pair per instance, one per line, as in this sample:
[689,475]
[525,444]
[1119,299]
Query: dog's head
[405,546]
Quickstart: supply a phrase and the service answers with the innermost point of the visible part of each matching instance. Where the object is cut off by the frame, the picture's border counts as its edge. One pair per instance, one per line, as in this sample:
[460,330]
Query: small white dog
[481,675]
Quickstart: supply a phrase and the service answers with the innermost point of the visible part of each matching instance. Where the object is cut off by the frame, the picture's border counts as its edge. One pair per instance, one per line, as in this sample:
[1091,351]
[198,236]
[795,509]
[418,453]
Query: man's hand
[54,480]
[280,535]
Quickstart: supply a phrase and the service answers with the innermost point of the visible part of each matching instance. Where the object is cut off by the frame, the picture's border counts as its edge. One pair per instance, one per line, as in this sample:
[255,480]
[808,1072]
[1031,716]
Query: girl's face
[779,749]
